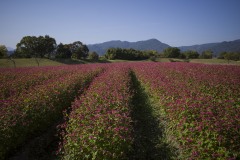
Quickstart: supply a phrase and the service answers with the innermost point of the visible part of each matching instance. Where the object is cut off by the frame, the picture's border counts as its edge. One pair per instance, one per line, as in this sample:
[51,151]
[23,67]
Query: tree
[129,54]
[111,53]
[79,50]
[208,54]
[63,51]
[237,54]
[93,56]
[27,47]
[182,56]
[221,55]
[47,45]
[37,47]
[171,52]
[148,54]
[3,51]
[228,56]
[190,54]
[85,51]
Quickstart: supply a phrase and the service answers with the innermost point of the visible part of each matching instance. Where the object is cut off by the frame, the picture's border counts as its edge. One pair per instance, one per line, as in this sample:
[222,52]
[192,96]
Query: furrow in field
[201,104]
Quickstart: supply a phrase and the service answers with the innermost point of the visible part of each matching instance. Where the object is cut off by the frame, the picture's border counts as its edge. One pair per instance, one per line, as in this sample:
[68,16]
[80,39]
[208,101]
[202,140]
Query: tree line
[235,56]
[46,47]
[174,52]
[129,54]
[171,52]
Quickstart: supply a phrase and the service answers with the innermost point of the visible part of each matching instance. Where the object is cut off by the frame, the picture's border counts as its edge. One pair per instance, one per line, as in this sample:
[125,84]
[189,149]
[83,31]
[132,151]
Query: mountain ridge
[154,44]
[150,44]
[217,48]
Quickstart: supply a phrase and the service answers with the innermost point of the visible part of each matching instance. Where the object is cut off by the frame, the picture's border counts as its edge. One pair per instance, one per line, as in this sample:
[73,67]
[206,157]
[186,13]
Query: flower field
[200,103]
[99,125]
[31,111]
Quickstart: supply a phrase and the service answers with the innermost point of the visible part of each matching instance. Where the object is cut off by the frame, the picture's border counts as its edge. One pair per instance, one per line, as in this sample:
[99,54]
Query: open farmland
[141,110]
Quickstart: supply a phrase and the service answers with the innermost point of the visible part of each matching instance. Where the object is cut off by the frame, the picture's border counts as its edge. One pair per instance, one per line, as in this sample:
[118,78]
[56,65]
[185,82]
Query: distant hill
[217,48]
[154,44]
[151,44]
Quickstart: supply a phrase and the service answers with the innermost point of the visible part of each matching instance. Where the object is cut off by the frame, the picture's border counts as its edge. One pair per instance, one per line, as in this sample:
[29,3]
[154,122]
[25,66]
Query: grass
[205,61]
[214,61]
[149,139]
[31,62]
[27,62]
[121,60]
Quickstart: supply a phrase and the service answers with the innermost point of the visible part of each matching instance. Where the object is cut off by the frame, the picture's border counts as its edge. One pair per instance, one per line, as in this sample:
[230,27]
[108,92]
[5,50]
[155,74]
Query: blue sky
[175,22]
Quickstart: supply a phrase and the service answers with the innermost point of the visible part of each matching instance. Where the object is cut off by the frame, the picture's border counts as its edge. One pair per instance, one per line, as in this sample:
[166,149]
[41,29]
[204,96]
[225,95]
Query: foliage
[171,52]
[75,50]
[39,47]
[208,54]
[93,56]
[79,50]
[63,51]
[32,104]
[153,58]
[221,55]
[201,103]
[129,54]
[99,126]
[230,56]
[191,54]
[3,51]
[230,46]
[32,46]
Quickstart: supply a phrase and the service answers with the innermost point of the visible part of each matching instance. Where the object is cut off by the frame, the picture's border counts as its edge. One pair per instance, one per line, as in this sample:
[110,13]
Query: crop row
[30,113]
[20,80]
[200,102]
[99,125]
[202,105]
[9,74]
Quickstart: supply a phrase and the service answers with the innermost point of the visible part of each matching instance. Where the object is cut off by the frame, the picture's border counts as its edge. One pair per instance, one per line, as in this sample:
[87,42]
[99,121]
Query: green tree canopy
[191,54]
[93,56]
[128,54]
[221,55]
[32,46]
[79,50]
[230,56]
[3,51]
[47,45]
[208,54]
[63,51]
[171,52]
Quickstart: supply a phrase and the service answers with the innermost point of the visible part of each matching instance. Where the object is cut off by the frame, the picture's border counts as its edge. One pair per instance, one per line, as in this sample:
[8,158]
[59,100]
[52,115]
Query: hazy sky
[175,22]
